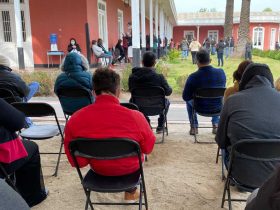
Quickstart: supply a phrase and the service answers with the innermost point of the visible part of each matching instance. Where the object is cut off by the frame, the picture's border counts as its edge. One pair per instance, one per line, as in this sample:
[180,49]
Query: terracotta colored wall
[65,19]
[92,19]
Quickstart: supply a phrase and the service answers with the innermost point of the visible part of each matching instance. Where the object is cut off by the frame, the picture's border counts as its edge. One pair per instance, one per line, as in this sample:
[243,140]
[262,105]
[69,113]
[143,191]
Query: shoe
[193,131]
[159,130]
[132,196]
[214,129]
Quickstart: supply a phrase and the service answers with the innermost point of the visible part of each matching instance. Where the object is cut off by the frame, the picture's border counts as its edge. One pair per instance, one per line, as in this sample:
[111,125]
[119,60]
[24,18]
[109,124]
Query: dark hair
[237,74]
[105,80]
[98,40]
[119,41]
[93,42]
[72,39]
[149,59]
[203,57]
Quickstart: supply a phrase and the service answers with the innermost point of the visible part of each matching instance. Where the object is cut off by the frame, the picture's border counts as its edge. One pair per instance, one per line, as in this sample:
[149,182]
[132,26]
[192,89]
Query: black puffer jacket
[146,77]
[13,82]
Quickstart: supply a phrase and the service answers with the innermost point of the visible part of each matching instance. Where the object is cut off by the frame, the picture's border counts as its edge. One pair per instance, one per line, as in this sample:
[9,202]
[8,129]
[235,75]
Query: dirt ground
[179,174]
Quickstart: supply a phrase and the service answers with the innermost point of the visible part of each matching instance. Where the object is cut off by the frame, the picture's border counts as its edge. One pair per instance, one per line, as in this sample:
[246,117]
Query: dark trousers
[248,55]
[220,59]
[194,57]
[28,174]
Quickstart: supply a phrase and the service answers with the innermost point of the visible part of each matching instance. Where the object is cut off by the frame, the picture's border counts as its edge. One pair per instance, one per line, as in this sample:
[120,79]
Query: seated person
[267,197]
[119,47]
[74,75]
[100,53]
[106,118]
[205,77]
[147,76]
[73,46]
[20,156]
[251,114]
[14,83]
[237,74]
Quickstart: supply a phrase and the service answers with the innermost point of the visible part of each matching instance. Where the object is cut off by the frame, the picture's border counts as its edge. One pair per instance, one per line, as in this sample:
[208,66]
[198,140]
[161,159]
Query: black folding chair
[69,96]
[151,102]
[109,149]
[42,131]
[9,178]
[130,106]
[219,153]
[211,94]
[8,96]
[262,157]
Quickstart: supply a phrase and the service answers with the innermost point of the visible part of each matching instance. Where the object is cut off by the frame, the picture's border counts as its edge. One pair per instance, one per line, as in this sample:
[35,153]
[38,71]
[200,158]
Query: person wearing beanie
[251,113]
[14,83]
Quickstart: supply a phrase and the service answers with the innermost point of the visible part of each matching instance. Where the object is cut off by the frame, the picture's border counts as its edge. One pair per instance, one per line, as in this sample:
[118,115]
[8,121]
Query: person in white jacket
[194,48]
[99,53]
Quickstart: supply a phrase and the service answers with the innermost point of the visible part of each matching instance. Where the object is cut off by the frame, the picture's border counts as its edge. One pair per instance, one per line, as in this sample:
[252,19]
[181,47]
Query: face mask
[72,42]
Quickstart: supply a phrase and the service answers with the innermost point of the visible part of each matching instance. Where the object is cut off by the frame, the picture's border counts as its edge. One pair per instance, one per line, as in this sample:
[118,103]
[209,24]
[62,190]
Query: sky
[219,5]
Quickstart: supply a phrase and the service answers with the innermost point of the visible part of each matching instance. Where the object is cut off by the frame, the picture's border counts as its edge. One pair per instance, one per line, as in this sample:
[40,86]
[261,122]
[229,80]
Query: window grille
[7,26]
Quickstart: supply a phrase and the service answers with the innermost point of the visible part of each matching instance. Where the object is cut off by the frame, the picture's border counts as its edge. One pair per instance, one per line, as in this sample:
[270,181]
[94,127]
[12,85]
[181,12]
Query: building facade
[84,20]
[264,27]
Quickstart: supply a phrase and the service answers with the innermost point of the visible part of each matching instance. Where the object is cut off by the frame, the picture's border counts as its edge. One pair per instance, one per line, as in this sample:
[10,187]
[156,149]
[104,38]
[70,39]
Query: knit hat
[4,61]
[252,70]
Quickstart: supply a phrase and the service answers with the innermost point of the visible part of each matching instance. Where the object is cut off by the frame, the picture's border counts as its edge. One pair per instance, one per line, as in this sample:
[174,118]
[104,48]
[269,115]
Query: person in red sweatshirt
[106,118]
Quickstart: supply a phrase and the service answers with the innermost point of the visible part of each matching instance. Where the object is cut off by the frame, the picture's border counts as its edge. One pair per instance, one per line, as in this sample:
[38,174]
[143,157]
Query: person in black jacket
[147,77]
[121,50]
[73,46]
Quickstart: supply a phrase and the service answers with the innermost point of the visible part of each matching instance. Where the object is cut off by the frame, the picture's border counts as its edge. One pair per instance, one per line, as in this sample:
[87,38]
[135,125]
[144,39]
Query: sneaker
[193,131]
[214,129]
[132,196]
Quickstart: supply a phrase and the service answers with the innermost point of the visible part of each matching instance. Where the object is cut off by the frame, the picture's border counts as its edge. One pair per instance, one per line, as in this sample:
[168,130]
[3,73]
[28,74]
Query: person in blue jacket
[74,75]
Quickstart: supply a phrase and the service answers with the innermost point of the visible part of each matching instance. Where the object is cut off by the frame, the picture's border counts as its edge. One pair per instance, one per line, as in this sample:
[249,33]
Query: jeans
[194,57]
[220,59]
[248,55]
[231,51]
[213,50]
[215,120]
[109,56]
[226,52]
[184,54]
[28,174]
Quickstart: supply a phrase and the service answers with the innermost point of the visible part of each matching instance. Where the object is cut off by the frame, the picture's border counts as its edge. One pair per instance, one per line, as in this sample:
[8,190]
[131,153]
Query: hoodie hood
[143,74]
[72,63]
[256,75]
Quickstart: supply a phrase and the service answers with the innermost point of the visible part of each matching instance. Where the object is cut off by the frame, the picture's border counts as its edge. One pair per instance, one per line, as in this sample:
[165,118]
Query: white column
[197,38]
[161,24]
[151,24]
[156,18]
[19,34]
[135,32]
[143,24]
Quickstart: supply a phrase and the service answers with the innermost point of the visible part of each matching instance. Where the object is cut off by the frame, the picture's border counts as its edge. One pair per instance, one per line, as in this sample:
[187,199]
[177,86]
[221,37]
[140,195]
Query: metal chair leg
[140,197]
[218,154]
[229,198]
[224,193]
[145,195]
[58,159]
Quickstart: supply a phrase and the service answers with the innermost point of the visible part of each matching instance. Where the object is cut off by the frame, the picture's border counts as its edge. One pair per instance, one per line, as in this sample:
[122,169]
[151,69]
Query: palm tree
[244,28]
[228,19]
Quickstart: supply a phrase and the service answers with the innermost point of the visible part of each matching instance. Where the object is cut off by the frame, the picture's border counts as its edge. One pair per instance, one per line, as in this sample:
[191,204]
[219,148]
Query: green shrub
[162,68]
[46,80]
[267,53]
[181,80]
[173,55]
[124,77]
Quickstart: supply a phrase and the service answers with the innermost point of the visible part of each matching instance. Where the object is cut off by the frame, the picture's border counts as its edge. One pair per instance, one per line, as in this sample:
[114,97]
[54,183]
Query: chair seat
[41,132]
[110,184]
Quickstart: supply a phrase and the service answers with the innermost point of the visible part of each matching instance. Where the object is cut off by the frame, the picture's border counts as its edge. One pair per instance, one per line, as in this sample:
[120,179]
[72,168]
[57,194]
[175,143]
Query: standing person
[207,45]
[248,50]
[129,42]
[159,47]
[106,118]
[213,46]
[231,46]
[148,77]
[277,46]
[99,53]
[220,52]
[165,45]
[155,45]
[125,47]
[121,50]
[20,156]
[73,46]
[148,48]
[184,48]
[171,44]
[194,48]
[226,51]
[205,77]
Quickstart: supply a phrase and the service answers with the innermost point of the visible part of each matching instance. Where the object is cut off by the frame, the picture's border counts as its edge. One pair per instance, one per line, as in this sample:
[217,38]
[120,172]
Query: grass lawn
[180,69]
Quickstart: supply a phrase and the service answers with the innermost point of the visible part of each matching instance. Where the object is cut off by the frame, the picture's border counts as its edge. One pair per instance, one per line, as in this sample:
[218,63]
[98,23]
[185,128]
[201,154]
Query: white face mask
[73,42]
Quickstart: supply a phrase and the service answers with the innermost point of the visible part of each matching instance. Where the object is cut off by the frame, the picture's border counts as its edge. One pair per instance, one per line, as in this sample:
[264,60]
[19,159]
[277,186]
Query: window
[258,37]
[4,1]
[22,1]
[120,23]
[272,38]
[7,32]
[23,26]
[102,22]
[213,35]
[189,35]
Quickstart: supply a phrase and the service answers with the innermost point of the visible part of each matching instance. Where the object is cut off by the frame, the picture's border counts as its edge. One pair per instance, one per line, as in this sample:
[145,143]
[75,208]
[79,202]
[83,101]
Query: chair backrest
[34,109]
[130,106]
[150,100]
[73,99]
[208,100]
[254,160]
[8,96]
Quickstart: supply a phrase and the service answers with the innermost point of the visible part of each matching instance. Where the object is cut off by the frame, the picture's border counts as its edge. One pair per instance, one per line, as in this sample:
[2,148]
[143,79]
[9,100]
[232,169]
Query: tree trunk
[229,19]
[244,28]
